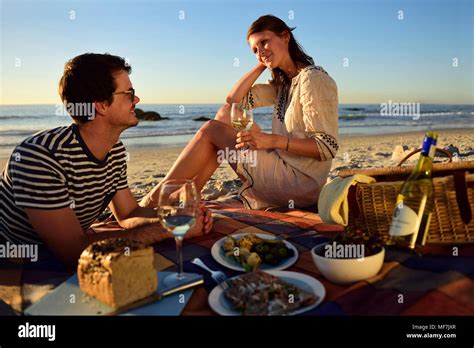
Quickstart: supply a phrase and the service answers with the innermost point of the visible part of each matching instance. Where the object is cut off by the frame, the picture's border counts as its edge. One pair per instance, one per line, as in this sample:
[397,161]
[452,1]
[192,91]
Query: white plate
[222,306]
[219,255]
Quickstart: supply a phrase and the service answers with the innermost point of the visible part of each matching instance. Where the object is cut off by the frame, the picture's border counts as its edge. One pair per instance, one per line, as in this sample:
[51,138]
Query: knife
[156,296]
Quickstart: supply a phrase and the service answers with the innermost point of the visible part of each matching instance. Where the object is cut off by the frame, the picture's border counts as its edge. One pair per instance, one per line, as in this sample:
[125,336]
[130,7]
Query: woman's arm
[241,88]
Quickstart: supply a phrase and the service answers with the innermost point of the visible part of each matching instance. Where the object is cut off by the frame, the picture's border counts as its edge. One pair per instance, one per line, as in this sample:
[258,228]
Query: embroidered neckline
[283,98]
[281,106]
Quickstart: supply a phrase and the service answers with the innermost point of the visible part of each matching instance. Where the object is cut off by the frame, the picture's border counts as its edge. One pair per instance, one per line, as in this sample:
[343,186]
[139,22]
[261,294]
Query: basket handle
[447,153]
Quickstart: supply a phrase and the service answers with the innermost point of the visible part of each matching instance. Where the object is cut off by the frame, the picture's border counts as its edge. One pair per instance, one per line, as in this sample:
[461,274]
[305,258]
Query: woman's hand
[261,66]
[208,219]
[204,222]
[246,82]
[255,140]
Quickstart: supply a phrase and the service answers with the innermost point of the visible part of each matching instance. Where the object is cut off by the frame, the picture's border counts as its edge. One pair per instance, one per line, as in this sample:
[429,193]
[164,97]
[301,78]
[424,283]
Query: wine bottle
[412,213]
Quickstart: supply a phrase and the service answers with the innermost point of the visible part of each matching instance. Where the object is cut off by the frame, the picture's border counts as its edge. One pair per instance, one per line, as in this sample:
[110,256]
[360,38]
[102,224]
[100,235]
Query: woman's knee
[218,133]
[209,129]
[223,114]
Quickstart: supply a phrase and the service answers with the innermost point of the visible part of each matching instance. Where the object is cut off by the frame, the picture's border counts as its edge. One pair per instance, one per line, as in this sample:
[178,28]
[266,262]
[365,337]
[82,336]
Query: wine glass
[177,206]
[241,118]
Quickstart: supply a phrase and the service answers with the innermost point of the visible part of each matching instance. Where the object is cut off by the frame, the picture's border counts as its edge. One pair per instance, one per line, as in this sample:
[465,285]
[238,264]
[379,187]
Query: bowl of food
[350,257]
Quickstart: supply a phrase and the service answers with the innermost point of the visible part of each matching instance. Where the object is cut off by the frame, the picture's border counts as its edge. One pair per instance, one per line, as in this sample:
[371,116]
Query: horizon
[375,51]
[140,103]
[393,101]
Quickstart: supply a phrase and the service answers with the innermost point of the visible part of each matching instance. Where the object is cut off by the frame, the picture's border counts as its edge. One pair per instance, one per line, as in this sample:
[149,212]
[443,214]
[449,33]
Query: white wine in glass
[241,118]
[177,206]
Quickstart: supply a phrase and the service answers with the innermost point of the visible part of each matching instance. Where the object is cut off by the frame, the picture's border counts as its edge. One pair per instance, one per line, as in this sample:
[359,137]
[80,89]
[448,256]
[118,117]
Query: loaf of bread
[117,271]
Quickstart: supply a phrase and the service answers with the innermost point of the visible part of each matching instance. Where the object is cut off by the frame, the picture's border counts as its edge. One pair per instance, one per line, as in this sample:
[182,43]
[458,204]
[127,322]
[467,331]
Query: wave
[408,124]
[15,132]
[156,133]
[189,116]
[31,117]
[353,117]
[446,113]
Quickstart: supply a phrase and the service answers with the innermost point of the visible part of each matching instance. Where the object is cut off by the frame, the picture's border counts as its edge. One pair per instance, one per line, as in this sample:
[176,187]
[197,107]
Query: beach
[149,163]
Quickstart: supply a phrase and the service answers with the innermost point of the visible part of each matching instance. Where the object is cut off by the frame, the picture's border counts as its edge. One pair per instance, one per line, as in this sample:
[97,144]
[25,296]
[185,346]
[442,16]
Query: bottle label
[405,221]
[428,148]
[432,152]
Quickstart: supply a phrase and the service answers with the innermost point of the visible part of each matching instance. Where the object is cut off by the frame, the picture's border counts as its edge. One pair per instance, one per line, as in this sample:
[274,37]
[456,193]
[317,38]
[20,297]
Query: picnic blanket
[438,283]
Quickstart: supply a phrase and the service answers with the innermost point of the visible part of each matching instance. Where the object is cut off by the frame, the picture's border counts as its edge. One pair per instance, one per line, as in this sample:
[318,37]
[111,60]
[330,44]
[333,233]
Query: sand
[149,164]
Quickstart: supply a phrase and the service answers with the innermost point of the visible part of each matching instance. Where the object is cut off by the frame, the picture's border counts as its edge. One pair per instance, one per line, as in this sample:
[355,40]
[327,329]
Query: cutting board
[68,299]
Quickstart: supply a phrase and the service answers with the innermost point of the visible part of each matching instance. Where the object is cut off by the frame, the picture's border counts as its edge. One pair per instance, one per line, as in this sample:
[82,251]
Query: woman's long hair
[279,27]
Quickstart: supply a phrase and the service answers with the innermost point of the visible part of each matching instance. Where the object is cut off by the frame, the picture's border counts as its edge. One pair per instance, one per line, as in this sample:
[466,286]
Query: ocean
[19,121]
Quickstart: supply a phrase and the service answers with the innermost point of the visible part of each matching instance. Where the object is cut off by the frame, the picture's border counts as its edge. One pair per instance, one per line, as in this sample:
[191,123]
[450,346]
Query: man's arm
[127,211]
[130,215]
[62,233]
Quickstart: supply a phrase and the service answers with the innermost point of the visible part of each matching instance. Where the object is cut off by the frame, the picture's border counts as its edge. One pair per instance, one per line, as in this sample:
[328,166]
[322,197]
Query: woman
[292,163]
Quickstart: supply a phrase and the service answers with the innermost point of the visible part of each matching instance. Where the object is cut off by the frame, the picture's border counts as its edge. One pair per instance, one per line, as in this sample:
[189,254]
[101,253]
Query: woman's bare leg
[206,173]
[199,158]
[201,153]
[223,114]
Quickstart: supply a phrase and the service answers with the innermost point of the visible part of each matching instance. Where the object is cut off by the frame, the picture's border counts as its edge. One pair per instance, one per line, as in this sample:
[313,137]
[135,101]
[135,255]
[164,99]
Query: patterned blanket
[438,283]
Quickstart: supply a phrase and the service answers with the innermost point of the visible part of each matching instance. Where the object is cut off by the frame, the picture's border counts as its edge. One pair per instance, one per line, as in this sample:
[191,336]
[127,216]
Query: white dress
[308,110]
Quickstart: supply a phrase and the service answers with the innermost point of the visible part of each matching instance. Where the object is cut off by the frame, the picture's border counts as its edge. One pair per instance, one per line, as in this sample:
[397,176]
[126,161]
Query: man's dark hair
[89,78]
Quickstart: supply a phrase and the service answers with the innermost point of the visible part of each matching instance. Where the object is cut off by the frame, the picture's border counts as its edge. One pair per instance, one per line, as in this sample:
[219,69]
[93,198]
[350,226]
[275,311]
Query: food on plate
[251,251]
[260,293]
[117,271]
[229,243]
[249,240]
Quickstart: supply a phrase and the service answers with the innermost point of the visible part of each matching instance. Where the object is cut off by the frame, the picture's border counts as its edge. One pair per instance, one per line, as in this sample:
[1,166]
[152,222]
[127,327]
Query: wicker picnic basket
[371,205]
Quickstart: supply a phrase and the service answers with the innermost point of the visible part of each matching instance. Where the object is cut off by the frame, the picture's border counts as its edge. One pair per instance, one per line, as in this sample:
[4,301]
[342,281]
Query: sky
[187,52]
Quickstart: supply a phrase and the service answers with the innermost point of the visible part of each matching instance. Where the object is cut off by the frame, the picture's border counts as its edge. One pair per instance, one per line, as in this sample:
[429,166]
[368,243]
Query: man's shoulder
[119,152]
[47,140]
[35,155]
[119,146]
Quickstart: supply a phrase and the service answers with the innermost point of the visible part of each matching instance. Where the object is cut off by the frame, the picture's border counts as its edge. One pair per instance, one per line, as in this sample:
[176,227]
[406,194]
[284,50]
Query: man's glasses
[131,91]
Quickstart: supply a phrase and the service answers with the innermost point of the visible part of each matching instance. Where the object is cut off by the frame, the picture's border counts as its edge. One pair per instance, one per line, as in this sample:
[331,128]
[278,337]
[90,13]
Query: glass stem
[179,251]
[246,146]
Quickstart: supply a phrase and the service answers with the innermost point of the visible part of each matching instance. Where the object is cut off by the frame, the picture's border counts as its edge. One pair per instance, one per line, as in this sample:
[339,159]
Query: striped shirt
[54,169]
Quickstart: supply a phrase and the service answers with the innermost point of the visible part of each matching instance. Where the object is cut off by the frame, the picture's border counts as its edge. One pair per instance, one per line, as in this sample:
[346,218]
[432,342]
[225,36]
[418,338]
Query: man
[57,182]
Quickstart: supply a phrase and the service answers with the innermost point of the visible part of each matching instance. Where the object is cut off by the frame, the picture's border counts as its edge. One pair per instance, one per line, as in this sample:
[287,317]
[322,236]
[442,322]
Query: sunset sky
[194,51]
